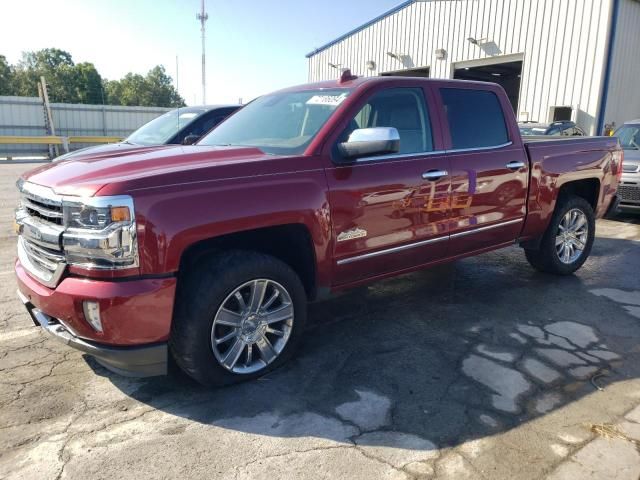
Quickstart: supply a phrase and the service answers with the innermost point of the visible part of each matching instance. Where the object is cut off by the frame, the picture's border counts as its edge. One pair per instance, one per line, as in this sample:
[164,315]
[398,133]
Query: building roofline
[361,27]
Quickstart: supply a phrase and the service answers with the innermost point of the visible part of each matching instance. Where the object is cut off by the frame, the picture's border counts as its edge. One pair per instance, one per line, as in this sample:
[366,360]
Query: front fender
[176,217]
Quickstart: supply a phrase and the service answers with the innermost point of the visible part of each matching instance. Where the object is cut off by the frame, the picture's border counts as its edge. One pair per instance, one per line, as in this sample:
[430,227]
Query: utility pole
[202,16]
[177,77]
[104,112]
[177,73]
[48,117]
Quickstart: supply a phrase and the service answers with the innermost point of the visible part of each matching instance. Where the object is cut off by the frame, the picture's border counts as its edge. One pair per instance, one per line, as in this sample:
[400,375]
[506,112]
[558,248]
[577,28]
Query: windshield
[280,123]
[161,129]
[629,137]
[529,131]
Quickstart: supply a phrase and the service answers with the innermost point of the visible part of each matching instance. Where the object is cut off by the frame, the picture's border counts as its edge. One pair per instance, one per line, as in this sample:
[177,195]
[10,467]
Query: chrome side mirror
[365,142]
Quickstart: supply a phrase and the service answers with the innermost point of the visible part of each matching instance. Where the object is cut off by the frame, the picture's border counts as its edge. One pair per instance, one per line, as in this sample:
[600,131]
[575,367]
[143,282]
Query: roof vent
[347,76]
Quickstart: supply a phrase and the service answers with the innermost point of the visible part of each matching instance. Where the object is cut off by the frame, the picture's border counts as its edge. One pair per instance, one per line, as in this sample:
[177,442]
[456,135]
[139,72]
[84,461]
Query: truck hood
[120,147]
[632,156]
[144,167]
[631,164]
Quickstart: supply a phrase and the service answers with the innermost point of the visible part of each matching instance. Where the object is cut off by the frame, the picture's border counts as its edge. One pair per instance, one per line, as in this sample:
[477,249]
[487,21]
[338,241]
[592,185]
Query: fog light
[92,314]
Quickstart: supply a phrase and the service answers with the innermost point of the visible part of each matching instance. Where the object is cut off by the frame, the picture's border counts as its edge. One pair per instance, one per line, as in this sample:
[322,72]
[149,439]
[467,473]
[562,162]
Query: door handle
[434,175]
[515,165]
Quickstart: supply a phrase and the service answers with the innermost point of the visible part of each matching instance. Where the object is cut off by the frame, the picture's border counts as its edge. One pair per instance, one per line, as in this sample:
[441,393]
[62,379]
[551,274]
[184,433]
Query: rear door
[489,168]
[389,212]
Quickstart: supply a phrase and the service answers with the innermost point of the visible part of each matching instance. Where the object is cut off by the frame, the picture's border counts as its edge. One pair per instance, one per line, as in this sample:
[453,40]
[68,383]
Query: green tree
[88,84]
[160,90]
[82,83]
[6,77]
[153,90]
[58,69]
[112,92]
[127,91]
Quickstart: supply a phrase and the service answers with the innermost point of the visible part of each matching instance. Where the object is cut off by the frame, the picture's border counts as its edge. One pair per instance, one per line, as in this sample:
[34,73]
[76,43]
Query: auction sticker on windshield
[330,100]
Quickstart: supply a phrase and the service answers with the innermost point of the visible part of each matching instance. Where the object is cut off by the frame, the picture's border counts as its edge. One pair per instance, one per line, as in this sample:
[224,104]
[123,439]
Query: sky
[252,46]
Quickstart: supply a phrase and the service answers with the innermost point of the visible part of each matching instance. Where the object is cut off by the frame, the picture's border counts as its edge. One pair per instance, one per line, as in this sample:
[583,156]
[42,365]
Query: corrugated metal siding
[623,99]
[25,116]
[562,43]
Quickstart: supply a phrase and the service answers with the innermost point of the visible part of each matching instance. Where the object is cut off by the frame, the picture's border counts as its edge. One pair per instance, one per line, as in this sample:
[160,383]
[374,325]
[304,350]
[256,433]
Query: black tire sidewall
[548,247]
[199,297]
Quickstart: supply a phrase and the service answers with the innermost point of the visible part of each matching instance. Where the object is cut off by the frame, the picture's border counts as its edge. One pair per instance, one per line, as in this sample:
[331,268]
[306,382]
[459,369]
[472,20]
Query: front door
[389,213]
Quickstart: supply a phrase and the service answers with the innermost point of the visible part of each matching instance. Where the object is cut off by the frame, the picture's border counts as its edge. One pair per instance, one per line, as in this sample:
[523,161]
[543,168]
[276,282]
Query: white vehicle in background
[182,126]
[561,128]
[629,189]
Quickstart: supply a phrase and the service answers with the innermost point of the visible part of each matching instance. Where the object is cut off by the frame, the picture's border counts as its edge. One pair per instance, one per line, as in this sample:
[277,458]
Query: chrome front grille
[629,193]
[40,226]
[43,257]
[46,213]
[42,203]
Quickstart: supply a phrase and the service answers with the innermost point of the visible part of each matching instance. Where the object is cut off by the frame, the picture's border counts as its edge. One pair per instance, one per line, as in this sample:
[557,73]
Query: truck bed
[557,139]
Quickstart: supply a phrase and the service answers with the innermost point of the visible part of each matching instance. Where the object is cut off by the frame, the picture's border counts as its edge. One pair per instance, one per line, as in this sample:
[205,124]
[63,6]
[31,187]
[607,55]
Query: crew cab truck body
[209,253]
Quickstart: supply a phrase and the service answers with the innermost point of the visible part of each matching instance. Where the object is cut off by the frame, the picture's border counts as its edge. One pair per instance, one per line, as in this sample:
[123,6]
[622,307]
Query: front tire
[238,316]
[568,240]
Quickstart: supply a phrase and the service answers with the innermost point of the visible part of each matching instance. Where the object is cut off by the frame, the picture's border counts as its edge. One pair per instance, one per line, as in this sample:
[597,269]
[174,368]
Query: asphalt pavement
[481,369]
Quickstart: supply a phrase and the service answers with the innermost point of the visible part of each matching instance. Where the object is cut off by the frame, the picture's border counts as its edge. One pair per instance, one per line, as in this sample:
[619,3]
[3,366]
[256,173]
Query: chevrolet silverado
[207,254]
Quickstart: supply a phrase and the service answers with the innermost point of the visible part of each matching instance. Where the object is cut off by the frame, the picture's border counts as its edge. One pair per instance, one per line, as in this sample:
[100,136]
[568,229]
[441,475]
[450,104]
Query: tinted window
[629,137]
[161,129]
[401,108]
[206,123]
[475,118]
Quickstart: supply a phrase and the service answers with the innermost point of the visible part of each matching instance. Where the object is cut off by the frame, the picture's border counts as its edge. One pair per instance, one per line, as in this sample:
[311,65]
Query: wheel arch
[291,243]
[587,188]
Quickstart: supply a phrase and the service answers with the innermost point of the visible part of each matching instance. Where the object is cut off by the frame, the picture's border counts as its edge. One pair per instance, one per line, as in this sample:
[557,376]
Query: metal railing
[54,140]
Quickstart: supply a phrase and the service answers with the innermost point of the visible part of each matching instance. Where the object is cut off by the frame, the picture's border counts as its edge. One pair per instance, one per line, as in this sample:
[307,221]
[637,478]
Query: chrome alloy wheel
[572,235]
[252,326]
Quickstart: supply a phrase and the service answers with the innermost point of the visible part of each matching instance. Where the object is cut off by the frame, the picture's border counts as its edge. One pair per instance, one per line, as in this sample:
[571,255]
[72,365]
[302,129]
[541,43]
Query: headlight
[94,217]
[100,232]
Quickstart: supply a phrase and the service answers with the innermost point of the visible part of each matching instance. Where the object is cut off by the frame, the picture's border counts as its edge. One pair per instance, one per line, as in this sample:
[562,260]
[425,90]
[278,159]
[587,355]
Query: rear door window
[475,118]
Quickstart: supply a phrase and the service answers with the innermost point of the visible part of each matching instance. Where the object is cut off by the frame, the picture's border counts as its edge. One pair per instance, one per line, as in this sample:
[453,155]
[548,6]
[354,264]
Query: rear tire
[223,331]
[567,242]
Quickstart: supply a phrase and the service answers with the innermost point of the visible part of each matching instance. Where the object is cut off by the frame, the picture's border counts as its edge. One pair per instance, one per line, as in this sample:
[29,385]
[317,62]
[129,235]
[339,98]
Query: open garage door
[505,74]
[408,72]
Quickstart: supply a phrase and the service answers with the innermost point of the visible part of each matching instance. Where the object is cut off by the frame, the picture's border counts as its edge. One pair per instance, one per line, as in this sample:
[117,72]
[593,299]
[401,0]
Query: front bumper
[629,191]
[136,318]
[145,361]
[629,207]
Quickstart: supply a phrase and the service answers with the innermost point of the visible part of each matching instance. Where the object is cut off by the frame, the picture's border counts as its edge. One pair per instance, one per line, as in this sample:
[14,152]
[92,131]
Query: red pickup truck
[208,254]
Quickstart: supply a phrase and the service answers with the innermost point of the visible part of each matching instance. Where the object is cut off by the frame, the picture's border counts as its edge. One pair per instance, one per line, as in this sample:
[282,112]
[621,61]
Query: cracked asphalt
[482,369]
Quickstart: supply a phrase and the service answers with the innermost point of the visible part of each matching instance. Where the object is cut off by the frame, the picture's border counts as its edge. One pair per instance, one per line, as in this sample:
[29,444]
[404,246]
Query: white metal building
[557,59]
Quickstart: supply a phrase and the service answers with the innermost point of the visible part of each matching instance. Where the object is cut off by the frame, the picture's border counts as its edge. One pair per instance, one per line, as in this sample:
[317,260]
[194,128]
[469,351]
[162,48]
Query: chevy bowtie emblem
[32,232]
[352,234]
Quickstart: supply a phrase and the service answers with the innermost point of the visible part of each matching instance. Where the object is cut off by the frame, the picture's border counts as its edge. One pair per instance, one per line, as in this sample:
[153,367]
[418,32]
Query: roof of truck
[353,81]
